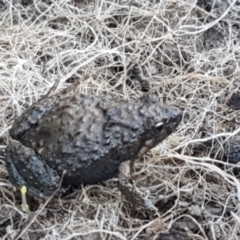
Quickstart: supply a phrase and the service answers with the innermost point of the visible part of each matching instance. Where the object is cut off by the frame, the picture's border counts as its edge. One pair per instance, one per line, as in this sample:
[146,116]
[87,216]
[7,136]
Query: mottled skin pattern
[87,136]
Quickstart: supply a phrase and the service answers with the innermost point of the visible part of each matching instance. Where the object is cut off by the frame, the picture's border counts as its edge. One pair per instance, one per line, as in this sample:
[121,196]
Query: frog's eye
[159,126]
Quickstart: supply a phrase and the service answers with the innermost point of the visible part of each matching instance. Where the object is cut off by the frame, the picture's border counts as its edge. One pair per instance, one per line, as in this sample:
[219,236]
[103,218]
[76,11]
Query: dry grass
[189,55]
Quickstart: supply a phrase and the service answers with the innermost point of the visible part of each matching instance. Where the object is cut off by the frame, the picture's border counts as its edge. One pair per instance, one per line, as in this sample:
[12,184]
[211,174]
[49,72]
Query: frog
[69,139]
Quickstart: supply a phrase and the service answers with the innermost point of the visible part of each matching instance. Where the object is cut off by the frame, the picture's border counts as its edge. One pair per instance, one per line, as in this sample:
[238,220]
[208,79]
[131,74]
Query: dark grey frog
[87,137]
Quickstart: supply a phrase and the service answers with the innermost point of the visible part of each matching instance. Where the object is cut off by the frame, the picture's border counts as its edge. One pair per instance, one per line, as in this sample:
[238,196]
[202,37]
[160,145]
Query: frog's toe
[130,191]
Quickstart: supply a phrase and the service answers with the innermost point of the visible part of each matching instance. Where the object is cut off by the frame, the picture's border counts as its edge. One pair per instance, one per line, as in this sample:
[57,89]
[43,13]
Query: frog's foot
[129,190]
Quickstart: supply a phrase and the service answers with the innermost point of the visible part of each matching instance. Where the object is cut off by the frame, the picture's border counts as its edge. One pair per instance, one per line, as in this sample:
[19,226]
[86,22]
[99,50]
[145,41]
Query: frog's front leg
[130,192]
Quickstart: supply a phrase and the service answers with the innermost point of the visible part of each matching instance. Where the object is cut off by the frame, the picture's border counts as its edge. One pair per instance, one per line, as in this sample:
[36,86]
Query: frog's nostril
[176,113]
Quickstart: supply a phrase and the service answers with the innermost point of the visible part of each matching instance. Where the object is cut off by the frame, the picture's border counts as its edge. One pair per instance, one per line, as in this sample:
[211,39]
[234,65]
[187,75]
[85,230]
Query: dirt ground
[185,51]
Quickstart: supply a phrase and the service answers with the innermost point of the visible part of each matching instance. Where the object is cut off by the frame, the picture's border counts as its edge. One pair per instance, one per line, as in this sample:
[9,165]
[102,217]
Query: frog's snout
[174,117]
[177,114]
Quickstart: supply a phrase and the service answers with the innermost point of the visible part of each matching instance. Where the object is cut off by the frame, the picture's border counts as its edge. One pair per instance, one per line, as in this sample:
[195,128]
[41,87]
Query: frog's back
[70,124]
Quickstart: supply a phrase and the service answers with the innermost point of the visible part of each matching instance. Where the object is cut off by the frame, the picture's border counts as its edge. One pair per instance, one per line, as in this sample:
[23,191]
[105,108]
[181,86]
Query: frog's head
[142,122]
[159,120]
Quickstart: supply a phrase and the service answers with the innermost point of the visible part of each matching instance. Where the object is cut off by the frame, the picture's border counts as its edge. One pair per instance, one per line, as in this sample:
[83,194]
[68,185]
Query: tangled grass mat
[186,52]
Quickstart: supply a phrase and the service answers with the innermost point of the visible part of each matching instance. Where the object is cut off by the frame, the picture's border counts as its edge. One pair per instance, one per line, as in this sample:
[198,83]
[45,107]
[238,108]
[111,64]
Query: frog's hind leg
[26,168]
[130,192]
